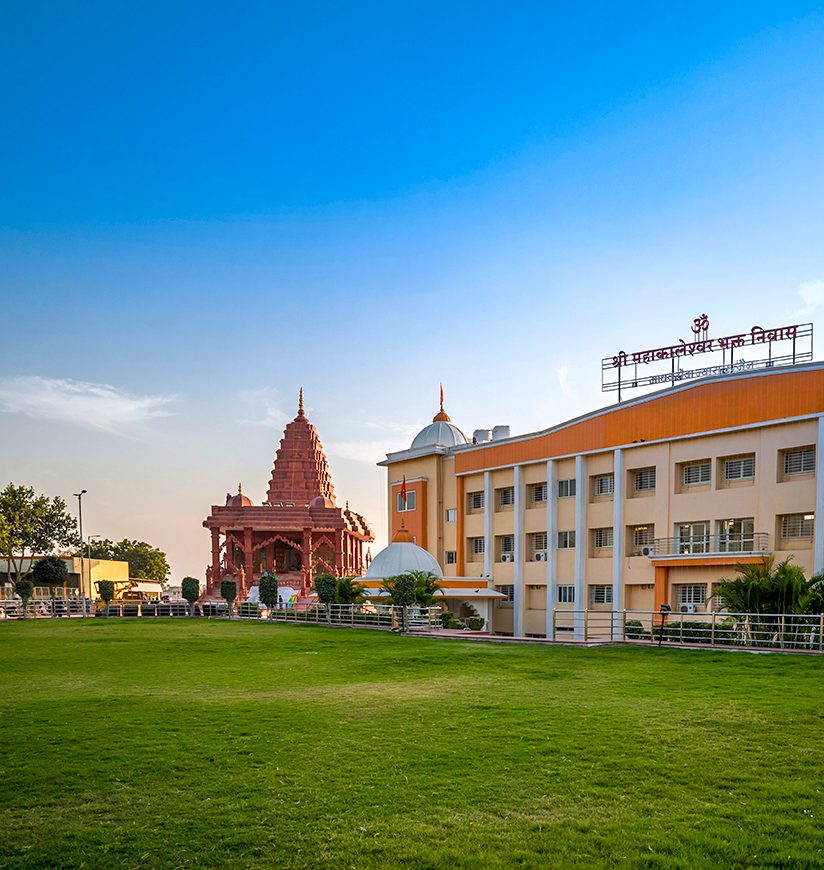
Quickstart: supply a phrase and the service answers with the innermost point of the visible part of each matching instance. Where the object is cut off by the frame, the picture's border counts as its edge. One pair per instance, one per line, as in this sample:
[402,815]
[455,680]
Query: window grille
[508,591]
[742,468]
[604,484]
[696,473]
[602,538]
[477,545]
[476,500]
[800,461]
[566,540]
[797,526]
[538,493]
[451,557]
[507,543]
[692,594]
[566,488]
[643,536]
[645,479]
[506,496]
[539,541]
[600,594]
[566,595]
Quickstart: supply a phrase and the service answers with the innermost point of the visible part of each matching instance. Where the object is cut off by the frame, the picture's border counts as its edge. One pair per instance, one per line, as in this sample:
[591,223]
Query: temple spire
[441,416]
[240,489]
[300,402]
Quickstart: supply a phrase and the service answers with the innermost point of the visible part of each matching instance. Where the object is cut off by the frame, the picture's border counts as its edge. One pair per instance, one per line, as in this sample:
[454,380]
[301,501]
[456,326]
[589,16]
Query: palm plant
[350,591]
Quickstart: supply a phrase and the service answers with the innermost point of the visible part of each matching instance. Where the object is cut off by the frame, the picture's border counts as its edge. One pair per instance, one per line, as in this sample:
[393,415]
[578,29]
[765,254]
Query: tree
[401,593]
[24,590]
[105,589]
[426,587]
[326,587]
[32,525]
[228,592]
[268,592]
[767,588]
[50,571]
[145,561]
[190,590]
[349,591]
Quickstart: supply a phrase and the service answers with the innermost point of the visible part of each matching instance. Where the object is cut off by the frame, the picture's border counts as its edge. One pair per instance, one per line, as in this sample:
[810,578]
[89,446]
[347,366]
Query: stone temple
[297,532]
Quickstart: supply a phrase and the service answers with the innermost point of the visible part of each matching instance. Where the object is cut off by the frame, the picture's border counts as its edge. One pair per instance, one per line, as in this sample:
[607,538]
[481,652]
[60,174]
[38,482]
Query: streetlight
[79,497]
[89,559]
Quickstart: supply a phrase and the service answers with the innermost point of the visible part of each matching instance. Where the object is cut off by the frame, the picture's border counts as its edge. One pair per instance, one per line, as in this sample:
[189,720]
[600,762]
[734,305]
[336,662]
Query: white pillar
[818,531]
[488,509]
[518,555]
[581,546]
[617,543]
[551,544]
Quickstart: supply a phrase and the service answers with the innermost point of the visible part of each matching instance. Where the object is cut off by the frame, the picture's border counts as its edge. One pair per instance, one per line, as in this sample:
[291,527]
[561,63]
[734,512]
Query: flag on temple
[442,397]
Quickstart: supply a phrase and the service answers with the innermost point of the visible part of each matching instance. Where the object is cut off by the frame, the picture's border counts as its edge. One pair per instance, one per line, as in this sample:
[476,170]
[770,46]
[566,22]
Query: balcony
[749,544]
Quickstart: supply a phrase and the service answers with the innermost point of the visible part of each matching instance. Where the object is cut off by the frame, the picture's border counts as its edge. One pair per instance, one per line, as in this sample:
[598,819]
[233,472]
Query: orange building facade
[644,503]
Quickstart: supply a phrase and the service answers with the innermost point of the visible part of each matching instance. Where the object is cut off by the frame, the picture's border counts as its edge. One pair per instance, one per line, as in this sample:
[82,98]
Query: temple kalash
[296,533]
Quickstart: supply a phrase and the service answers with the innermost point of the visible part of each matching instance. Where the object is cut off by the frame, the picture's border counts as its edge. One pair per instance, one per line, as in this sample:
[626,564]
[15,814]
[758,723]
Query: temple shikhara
[297,532]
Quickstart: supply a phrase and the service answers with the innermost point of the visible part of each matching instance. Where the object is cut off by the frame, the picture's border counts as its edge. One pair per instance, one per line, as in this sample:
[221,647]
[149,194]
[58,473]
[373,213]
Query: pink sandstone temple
[297,532]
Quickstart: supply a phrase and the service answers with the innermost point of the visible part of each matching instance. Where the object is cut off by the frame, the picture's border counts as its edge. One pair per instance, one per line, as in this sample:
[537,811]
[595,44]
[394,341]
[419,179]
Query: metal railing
[702,545]
[779,631]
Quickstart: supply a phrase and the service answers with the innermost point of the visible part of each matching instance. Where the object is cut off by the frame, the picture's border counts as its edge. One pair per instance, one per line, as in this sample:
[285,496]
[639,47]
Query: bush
[476,623]
[456,623]
[445,617]
[248,609]
[634,630]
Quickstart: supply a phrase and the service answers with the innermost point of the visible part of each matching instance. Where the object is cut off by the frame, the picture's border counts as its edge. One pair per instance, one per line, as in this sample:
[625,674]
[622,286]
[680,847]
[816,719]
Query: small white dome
[399,558]
[439,434]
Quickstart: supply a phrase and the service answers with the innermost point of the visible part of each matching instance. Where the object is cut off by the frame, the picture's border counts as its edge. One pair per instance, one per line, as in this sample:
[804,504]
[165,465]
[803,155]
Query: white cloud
[812,294]
[98,406]
[263,407]
[562,373]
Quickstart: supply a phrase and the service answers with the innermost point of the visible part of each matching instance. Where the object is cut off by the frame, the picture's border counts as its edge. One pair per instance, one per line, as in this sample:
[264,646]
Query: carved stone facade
[297,533]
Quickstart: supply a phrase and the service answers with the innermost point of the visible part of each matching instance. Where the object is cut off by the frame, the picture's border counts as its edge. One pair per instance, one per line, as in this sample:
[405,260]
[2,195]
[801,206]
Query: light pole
[79,497]
[89,559]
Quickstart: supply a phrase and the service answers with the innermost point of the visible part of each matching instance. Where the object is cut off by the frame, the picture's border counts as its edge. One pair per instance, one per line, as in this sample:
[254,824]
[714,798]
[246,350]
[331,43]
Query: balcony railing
[710,545]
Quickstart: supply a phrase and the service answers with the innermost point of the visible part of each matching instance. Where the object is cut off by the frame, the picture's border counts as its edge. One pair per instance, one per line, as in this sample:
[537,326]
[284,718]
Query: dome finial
[240,489]
[300,402]
[441,416]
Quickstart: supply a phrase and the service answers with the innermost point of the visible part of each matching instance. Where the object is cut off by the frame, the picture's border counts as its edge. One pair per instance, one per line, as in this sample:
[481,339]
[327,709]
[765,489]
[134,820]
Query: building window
[566,540]
[476,546]
[509,592]
[602,538]
[696,473]
[538,493]
[566,488]
[736,536]
[451,515]
[692,594]
[539,541]
[739,468]
[600,594]
[566,595]
[644,480]
[451,557]
[475,501]
[506,497]
[643,536]
[797,526]
[799,461]
[603,484]
[411,499]
[506,544]
[693,538]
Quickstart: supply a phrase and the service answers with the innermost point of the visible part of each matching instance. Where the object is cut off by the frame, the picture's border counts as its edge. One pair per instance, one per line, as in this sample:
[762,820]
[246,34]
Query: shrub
[476,623]
[105,589]
[228,592]
[268,591]
[634,630]
[248,609]
[456,623]
[446,618]
[190,590]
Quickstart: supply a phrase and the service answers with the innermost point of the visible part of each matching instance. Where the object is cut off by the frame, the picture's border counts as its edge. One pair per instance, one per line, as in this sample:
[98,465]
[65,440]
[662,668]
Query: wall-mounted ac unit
[687,608]
[647,551]
[540,556]
[506,557]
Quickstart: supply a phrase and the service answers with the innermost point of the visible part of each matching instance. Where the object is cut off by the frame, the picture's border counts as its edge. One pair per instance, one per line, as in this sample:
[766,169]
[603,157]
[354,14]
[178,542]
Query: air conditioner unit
[687,608]
[540,556]
[506,557]
[647,551]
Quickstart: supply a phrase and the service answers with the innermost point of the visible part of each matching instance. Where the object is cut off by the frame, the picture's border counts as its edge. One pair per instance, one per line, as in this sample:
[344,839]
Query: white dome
[399,558]
[439,434]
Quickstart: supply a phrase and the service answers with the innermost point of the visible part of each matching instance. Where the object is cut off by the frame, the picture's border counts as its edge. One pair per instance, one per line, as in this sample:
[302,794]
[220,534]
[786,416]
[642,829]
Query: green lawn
[209,743]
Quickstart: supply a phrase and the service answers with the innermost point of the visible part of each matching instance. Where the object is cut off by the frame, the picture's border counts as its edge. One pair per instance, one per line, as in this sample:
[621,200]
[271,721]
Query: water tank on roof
[500,432]
[482,435]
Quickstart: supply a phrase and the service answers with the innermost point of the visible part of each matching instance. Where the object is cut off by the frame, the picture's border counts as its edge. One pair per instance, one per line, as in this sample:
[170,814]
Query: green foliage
[634,630]
[24,590]
[400,590]
[427,588]
[228,592]
[190,590]
[268,591]
[105,589]
[350,591]
[32,525]
[446,617]
[145,561]
[476,623]
[248,609]
[326,587]
[769,588]
[49,571]
[456,624]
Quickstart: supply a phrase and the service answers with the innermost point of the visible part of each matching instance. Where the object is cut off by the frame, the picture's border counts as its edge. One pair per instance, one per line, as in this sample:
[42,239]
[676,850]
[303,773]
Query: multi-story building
[639,504]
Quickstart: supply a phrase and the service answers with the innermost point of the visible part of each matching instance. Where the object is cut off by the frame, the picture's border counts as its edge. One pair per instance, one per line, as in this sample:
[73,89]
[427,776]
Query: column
[339,566]
[215,578]
[818,530]
[305,563]
[248,562]
[581,548]
[519,605]
[551,544]
[489,506]
[618,544]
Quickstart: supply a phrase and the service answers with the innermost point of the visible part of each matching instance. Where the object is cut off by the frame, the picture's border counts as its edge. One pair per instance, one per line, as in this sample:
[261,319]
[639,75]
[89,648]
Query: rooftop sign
[765,348]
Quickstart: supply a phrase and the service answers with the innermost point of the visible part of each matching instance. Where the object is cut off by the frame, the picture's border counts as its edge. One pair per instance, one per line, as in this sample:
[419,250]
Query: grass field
[209,743]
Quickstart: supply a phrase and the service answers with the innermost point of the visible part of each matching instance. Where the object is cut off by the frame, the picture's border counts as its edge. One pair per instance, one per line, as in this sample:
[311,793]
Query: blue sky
[204,206]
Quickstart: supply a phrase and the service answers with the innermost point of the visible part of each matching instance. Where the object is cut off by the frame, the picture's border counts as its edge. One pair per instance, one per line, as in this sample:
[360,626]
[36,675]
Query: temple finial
[442,397]
[441,416]
[300,402]
[240,489]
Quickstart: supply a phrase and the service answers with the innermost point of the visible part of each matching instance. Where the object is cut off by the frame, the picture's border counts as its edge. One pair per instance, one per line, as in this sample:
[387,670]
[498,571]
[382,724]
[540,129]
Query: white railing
[787,631]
